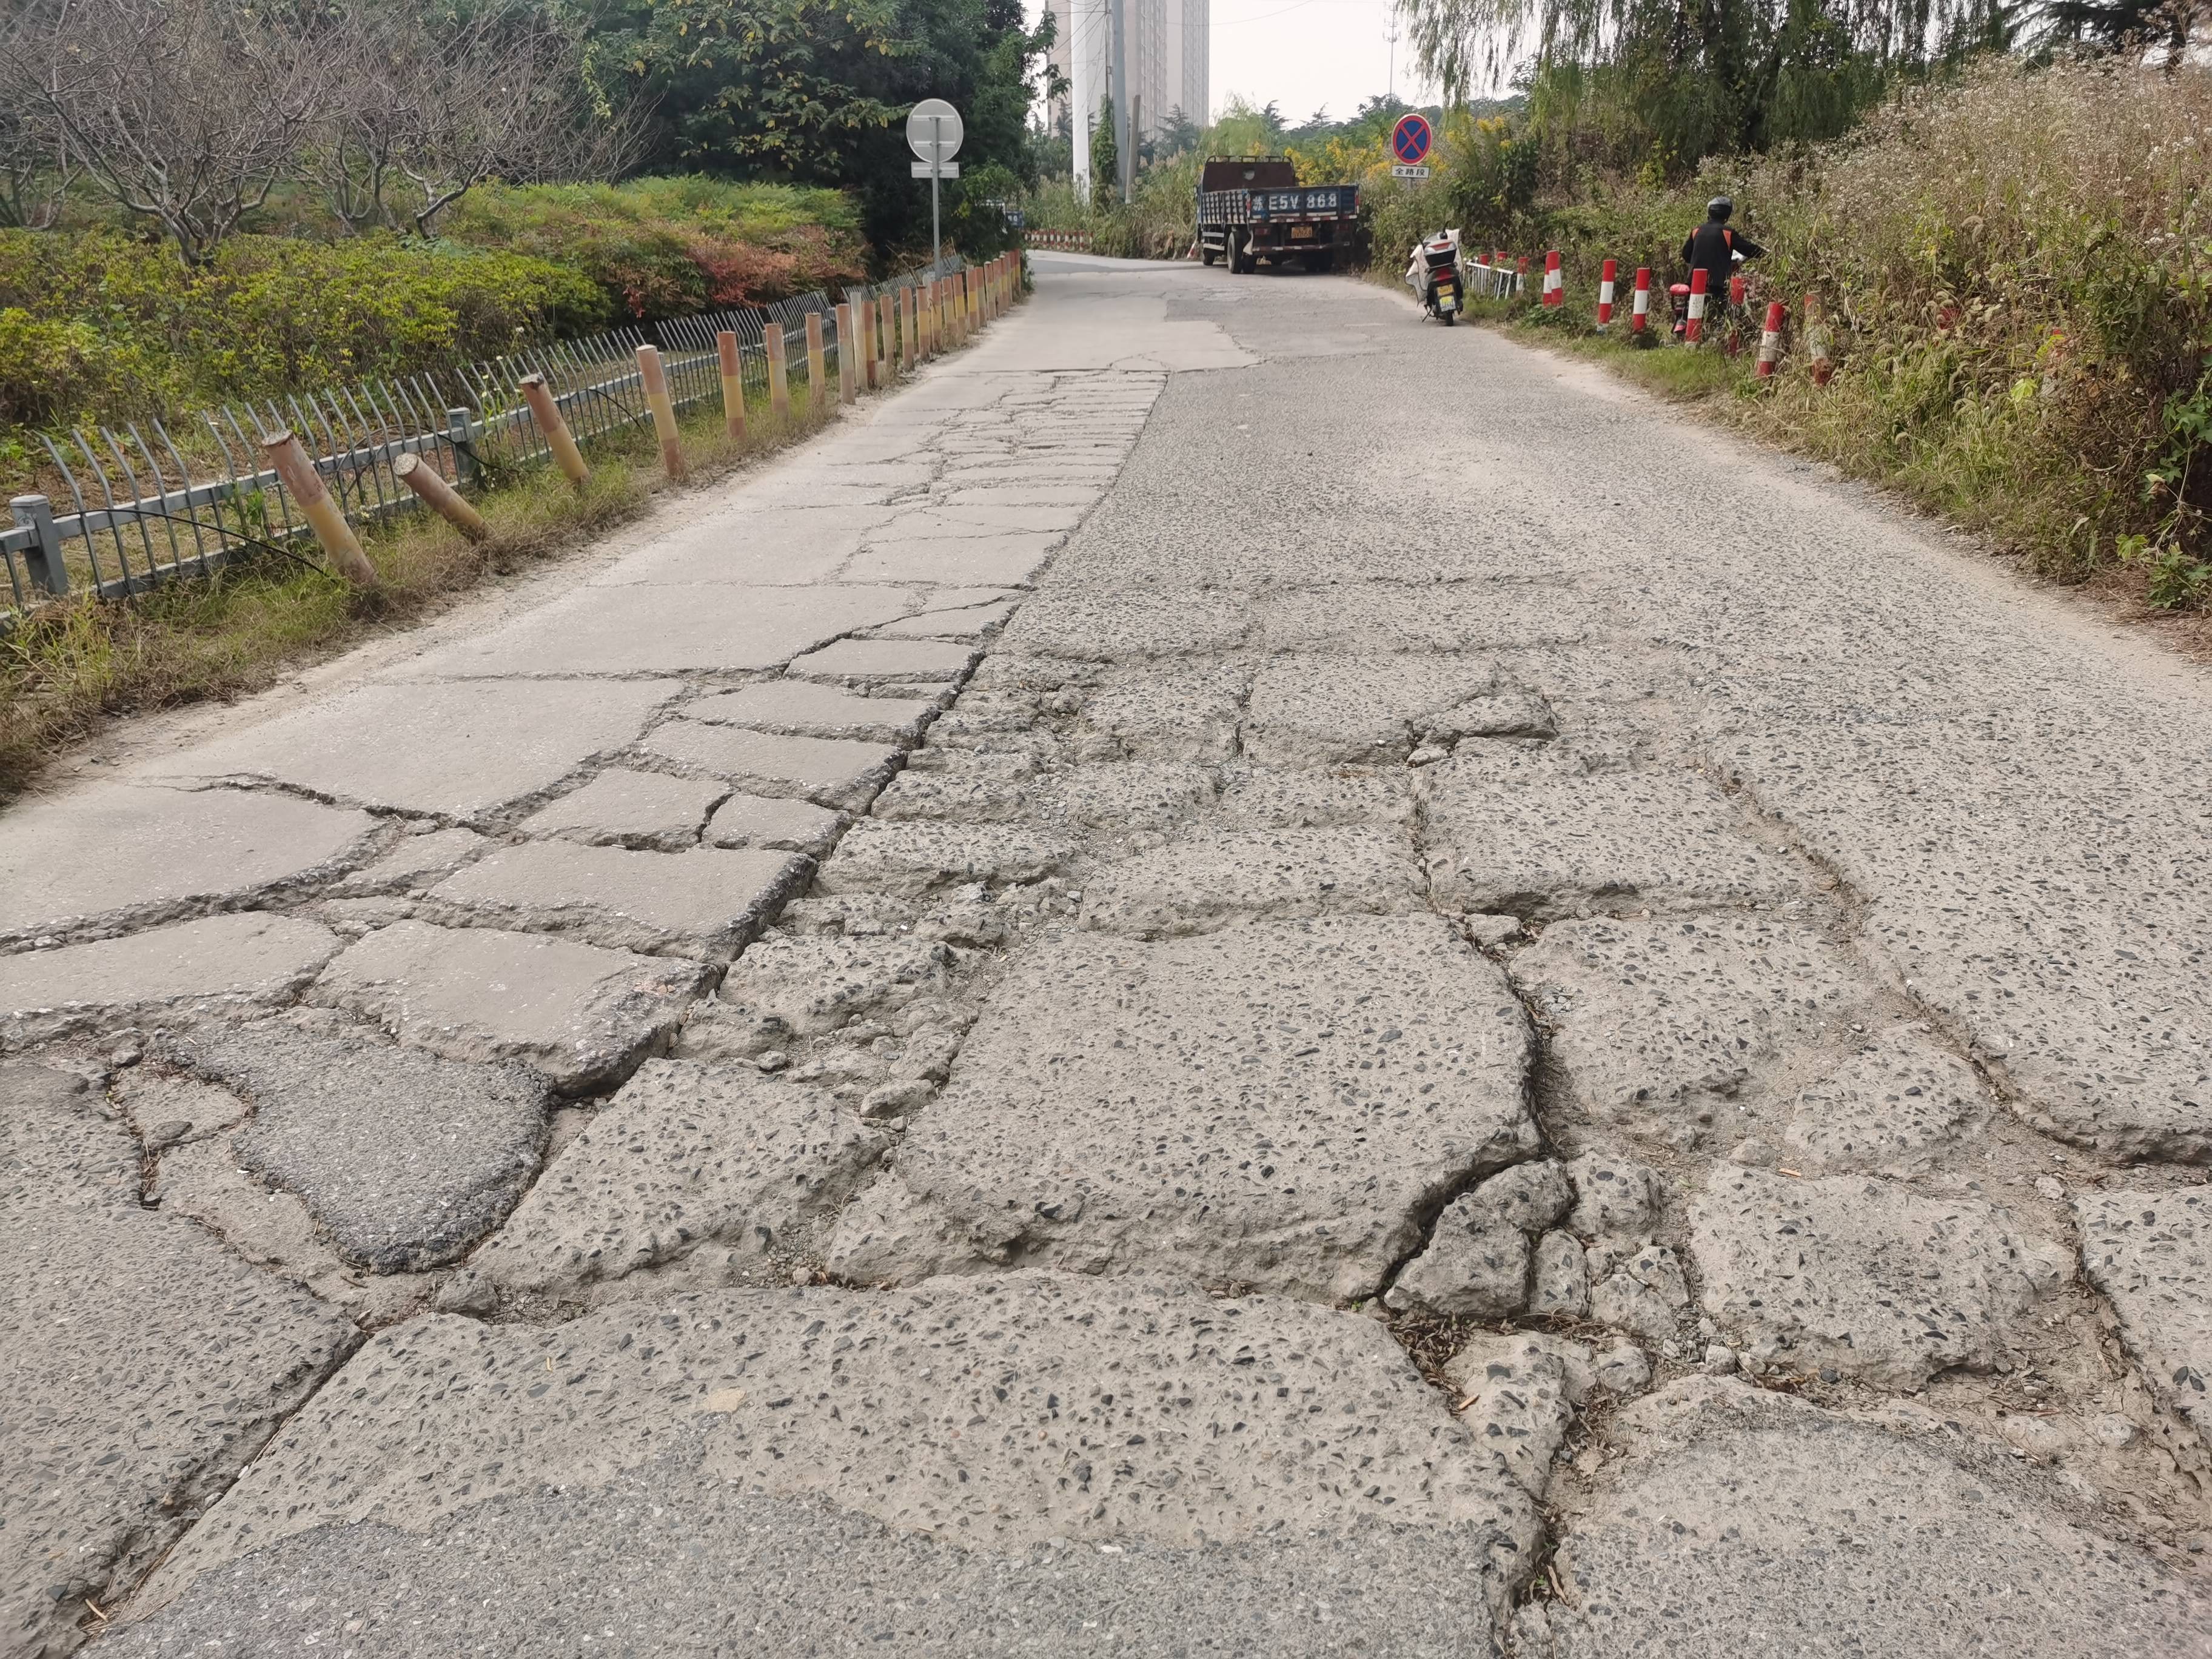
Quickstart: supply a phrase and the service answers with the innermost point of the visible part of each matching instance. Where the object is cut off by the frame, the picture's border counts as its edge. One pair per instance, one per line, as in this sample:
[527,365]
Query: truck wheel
[1238,262]
[1207,256]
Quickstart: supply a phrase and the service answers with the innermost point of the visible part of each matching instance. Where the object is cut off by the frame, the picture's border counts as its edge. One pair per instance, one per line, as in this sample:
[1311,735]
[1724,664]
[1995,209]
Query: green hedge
[102,326]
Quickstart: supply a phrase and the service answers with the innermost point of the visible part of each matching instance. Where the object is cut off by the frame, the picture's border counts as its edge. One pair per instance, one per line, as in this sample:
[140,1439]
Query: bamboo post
[865,314]
[425,480]
[779,372]
[817,373]
[886,358]
[655,380]
[733,384]
[847,353]
[906,328]
[547,413]
[299,476]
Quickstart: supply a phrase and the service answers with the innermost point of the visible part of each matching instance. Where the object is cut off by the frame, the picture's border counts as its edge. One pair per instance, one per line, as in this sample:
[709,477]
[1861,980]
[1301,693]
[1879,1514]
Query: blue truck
[1252,209]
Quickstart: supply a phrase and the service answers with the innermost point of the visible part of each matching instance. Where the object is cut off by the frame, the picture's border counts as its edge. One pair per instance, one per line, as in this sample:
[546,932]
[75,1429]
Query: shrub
[664,247]
[102,327]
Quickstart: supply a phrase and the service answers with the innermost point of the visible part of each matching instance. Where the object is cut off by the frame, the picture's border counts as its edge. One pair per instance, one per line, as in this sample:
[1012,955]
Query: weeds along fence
[147,506]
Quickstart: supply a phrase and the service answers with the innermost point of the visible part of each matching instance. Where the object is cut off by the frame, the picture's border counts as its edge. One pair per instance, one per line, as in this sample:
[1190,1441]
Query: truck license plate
[1302,233]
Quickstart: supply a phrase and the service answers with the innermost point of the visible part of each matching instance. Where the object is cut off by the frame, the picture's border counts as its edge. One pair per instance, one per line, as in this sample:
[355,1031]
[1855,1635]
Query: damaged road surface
[1131,1006]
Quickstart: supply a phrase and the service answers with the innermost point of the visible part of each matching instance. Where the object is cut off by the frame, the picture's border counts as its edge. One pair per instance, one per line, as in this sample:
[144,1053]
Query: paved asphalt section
[1237,976]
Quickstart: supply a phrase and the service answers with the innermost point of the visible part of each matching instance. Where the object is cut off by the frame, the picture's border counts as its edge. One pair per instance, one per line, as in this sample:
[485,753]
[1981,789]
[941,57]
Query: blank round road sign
[1410,139]
[933,131]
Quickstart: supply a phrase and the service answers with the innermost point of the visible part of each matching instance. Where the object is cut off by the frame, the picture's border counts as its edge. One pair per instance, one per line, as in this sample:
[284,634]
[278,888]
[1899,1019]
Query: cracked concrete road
[1238,976]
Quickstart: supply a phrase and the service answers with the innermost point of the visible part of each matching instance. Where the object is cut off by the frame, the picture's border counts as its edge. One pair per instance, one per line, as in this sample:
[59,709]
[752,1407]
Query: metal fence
[149,506]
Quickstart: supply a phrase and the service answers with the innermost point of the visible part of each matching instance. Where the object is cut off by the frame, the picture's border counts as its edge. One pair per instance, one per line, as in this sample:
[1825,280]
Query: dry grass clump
[2018,267]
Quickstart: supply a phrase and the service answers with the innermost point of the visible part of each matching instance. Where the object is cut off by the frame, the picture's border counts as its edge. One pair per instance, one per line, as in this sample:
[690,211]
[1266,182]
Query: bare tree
[427,118]
[185,112]
[34,160]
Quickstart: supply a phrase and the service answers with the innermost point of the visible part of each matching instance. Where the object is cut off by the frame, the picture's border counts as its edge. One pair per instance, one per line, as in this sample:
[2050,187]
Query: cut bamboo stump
[733,384]
[429,486]
[818,372]
[304,484]
[655,379]
[558,438]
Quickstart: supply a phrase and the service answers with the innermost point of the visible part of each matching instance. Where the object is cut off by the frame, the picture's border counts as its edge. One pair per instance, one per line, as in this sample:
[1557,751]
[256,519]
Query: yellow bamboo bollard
[886,357]
[906,325]
[733,384]
[547,413]
[305,484]
[779,373]
[655,379]
[846,352]
[818,372]
[428,483]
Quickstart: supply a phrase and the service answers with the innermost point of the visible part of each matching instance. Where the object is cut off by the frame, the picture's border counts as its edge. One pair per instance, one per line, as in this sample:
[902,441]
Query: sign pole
[936,171]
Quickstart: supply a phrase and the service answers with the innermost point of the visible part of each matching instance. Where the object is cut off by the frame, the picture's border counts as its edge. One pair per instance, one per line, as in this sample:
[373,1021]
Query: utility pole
[1085,96]
[1127,153]
[1393,93]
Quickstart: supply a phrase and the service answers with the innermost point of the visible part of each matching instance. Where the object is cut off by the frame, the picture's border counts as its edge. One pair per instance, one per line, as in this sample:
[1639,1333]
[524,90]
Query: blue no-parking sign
[1410,140]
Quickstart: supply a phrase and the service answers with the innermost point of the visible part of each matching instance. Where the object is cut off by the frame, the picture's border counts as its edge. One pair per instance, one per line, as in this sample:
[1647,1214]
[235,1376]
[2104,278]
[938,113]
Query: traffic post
[1769,339]
[1606,275]
[1695,329]
[1816,341]
[934,132]
[1555,285]
[733,384]
[1640,313]
[779,370]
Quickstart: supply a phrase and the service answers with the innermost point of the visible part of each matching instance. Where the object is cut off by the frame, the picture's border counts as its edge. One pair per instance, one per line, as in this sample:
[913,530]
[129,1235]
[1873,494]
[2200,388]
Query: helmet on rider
[1719,207]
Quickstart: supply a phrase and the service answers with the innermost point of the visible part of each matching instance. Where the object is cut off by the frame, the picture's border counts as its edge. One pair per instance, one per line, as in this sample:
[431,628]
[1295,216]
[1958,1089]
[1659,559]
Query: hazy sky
[1305,55]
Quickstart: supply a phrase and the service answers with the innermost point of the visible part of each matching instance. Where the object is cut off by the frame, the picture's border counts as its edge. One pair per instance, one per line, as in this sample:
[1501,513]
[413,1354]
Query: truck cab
[1253,209]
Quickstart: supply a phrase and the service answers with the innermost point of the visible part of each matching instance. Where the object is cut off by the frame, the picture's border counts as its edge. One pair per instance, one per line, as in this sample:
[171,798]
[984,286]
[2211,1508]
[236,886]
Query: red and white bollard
[1696,330]
[1606,275]
[1816,341]
[1736,288]
[1734,344]
[1769,339]
[1554,284]
[1639,315]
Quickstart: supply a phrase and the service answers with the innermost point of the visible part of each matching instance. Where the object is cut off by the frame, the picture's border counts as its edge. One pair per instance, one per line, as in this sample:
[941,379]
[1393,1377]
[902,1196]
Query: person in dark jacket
[1712,247]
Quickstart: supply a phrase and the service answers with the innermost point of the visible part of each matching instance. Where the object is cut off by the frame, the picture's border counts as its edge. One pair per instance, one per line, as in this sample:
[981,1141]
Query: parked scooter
[1434,277]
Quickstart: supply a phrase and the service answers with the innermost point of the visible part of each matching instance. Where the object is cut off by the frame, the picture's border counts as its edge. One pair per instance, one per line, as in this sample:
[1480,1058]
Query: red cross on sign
[1410,140]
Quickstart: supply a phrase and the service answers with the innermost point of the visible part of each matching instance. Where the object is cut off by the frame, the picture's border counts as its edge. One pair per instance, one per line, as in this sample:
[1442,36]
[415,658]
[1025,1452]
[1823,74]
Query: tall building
[1165,43]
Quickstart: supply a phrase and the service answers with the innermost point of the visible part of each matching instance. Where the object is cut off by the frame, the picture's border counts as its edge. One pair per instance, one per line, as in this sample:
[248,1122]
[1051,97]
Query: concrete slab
[624,808]
[141,1364]
[1897,1107]
[578,1015]
[1279,1105]
[242,957]
[1214,877]
[794,826]
[1327,710]
[1004,560]
[912,859]
[1759,1492]
[119,850]
[704,900]
[806,709]
[1867,1278]
[694,1177]
[1122,626]
[404,1159]
[756,547]
[1531,835]
[1684,1028]
[2150,1251]
[951,1425]
[829,770]
[886,659]
[667,629]
[458,750]
[415,860]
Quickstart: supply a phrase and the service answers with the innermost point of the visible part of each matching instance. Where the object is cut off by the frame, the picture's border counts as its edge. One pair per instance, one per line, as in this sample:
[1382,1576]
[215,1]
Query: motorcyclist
[1712,247]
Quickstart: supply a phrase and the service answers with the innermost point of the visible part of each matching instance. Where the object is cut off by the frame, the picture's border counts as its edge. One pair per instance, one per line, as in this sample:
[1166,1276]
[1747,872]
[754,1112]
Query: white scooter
[1434,277]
